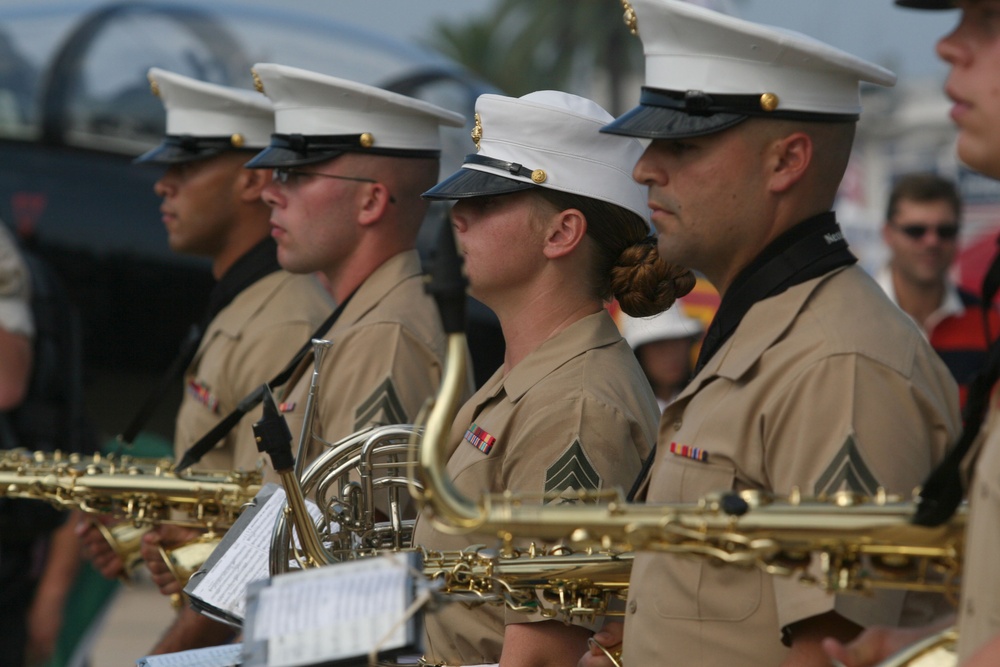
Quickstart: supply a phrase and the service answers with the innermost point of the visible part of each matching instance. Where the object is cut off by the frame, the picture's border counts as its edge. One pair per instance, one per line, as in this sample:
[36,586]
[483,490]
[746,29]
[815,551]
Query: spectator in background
[664,346]
[921,230]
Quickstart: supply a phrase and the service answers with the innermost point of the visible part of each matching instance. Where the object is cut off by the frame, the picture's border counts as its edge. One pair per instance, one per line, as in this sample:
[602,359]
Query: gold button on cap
[538,176]
[769,101]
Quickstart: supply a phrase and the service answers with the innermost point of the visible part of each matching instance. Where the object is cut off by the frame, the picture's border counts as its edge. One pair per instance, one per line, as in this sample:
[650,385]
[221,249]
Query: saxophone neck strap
[196,451]
[944,489]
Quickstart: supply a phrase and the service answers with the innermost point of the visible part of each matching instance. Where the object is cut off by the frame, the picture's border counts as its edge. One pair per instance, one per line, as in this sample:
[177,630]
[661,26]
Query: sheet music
[334,612]
[223,586]
[214,656]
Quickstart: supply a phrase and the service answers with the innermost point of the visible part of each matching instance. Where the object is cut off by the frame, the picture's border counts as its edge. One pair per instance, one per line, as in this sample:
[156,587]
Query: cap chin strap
[513,168]
[699,103]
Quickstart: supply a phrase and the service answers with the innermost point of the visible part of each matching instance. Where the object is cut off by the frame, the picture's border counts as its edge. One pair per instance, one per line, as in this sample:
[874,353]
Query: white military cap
[318,117]
[205,119]
[671,324]
[706,71]
[547,139]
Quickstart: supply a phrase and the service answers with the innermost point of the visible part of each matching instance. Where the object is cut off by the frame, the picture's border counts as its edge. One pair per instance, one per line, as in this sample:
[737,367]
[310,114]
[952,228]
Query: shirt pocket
[697,589]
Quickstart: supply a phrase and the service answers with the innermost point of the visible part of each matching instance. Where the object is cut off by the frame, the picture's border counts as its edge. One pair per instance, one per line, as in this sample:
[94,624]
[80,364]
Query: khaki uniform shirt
[385,362]
[245,345]
[15,287]
[979,614]
[577,413]
[826,386]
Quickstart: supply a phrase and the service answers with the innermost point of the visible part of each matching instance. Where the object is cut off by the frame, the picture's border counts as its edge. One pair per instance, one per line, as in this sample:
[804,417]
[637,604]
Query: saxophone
[138,492]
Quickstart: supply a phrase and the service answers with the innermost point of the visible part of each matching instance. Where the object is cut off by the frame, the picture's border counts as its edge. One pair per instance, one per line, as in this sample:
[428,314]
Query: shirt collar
[588,333]
[763,324]
[384,279]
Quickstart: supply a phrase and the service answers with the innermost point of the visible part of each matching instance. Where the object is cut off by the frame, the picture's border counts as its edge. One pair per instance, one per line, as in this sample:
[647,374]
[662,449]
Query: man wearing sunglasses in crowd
[921,231]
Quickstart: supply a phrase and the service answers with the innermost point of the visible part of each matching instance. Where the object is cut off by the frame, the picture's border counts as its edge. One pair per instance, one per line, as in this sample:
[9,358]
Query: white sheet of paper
[214,656]
[224,587]
[333,612]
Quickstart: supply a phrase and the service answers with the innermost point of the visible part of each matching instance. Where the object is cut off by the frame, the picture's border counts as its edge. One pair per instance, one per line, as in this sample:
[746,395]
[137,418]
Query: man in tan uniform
[260,315]
[350,162]
[973,52]
[809,378]
[546,212]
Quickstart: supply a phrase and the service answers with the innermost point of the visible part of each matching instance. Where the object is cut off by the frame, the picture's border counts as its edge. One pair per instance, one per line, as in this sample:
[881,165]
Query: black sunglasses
[918,231]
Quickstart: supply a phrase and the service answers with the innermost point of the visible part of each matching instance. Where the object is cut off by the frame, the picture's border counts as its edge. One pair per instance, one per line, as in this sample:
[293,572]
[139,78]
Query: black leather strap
[253,399]
[943,490]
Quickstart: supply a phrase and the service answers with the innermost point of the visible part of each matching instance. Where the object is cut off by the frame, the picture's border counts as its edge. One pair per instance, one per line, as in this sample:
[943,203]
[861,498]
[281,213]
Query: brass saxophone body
[139,493]
[557,583]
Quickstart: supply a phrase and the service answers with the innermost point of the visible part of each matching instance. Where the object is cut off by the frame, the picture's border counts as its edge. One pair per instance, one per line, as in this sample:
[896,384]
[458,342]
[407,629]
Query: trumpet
[139,493]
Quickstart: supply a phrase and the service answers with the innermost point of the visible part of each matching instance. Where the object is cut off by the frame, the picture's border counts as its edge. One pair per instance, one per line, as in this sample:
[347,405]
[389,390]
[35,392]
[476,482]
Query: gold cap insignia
[237,140]
[538,176]
[477,132]
[768,101]
[257,83]
[631,21]
[154,87]
[366,139]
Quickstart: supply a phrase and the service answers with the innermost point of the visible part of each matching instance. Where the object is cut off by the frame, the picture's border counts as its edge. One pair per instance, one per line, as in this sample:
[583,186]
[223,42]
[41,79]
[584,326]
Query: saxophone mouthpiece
[444,279]
[273,435]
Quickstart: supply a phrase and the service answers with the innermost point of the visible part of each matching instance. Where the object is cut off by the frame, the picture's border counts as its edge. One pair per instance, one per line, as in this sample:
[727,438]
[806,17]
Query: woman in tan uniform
[552,226]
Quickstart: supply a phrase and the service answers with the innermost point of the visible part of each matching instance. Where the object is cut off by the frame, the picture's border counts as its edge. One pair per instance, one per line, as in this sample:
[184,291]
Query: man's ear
[565,231]
[251,183]
[790,158]
[374,199]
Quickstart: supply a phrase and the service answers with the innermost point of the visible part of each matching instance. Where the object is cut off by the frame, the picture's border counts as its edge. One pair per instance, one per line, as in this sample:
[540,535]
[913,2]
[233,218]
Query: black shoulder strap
[258,262]
[253,399]
[943,490]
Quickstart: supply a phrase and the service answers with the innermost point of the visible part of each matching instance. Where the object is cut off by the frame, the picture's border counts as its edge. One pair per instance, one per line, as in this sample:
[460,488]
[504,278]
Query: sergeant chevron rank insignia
[848,471]
[382,407]
[571,472]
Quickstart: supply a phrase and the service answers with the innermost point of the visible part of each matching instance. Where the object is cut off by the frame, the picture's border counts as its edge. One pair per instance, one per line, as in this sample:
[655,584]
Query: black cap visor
[280,156]
[293,150]
[654,122]
[926,4]
[180,149]
[466,183]
[674,114]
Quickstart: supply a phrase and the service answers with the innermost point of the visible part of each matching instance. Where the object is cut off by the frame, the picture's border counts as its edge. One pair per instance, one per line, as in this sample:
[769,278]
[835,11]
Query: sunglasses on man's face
[918,231]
